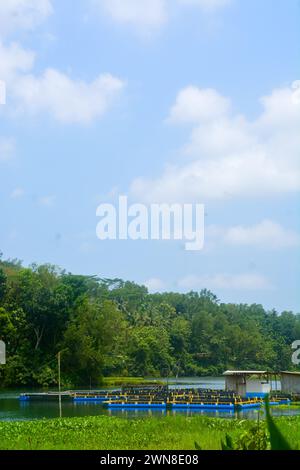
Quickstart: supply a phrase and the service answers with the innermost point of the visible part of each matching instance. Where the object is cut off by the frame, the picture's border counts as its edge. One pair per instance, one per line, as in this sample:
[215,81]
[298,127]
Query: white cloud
[146,16]
[206,5]
[2,92]
[194,105]
[245,281]
[155,285]
[66,99]
[14,60]
[22,14]
[149,14]
[69,101]
[47,201]
[267,234]
[7,149]
[230,156]
[17,193]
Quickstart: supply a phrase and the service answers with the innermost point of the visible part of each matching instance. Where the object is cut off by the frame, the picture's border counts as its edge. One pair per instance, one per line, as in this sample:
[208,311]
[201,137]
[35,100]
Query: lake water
[11,409]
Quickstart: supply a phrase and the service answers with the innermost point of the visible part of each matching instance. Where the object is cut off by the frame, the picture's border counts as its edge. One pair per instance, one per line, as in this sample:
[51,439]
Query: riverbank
[119,381]
[110,433]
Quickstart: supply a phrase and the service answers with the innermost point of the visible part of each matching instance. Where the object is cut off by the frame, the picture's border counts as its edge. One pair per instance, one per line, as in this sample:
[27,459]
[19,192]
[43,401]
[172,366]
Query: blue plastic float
[203,406]
[282,402]
[24,398]
[249,406]
[137,405]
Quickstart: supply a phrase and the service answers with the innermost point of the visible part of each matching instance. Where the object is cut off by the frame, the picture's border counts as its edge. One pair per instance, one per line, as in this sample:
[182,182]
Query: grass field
[110,433]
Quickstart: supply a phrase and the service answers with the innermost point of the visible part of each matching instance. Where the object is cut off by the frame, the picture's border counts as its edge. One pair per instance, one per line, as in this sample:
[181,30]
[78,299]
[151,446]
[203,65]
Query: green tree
[94,337]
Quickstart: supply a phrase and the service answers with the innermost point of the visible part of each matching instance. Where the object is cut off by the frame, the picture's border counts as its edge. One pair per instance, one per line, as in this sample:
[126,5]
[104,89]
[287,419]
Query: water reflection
[13,409]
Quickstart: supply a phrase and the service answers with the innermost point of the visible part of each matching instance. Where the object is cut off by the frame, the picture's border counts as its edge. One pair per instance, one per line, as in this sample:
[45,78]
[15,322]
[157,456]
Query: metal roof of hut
[245,372]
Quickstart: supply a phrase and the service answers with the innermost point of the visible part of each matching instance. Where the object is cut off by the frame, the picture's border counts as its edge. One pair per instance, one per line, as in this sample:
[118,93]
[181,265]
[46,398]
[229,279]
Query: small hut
[248,383]
[290,382]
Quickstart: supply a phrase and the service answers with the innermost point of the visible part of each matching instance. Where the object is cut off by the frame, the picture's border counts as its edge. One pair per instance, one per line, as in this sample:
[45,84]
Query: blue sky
[164,101]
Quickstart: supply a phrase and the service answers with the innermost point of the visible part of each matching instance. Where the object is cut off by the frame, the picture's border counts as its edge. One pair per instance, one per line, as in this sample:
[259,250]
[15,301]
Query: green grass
[293,406]
[110,433]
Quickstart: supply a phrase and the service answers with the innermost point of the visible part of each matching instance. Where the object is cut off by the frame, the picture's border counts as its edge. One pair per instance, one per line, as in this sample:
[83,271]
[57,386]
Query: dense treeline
[111,327]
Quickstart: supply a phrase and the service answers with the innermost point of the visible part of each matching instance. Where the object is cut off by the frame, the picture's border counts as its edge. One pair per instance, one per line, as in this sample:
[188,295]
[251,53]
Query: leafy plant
[257,438]
[278,442]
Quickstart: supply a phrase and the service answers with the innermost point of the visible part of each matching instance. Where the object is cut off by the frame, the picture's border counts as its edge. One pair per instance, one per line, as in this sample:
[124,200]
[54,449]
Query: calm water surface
[11,409]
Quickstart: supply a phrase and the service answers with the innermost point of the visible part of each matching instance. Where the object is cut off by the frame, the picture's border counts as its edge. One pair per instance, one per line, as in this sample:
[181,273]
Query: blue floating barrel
[24,398]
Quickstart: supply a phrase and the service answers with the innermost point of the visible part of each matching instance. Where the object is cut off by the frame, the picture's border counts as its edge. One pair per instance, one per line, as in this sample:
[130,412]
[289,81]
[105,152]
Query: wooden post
[59,385]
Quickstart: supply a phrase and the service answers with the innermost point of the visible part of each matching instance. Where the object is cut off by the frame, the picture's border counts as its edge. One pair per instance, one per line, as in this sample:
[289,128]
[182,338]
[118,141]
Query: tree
[149,351]
[3,281]
[94,335]
[112,327]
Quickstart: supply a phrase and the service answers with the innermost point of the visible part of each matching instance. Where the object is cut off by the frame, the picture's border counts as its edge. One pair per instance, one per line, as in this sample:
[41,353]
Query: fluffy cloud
[22,14]
[146,16]
[246,281]
[208,5]
[47,201]
[67,100]
[230,156]
[194,105]
[17,193]
[267,234]
[155,285]
[14,60]
[7,149]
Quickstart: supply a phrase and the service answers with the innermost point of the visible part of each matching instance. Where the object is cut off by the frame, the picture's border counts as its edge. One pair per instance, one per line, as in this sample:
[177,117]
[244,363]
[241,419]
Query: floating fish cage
[49,396]
[94,398]
[158,396]
[248,404]
[203,406]
[151,388]
[136,405]
[210,399]
[274,402]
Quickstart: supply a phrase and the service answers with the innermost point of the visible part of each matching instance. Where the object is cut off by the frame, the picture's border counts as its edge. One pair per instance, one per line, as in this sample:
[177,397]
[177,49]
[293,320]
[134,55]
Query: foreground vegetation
[115,328]
[168,433]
